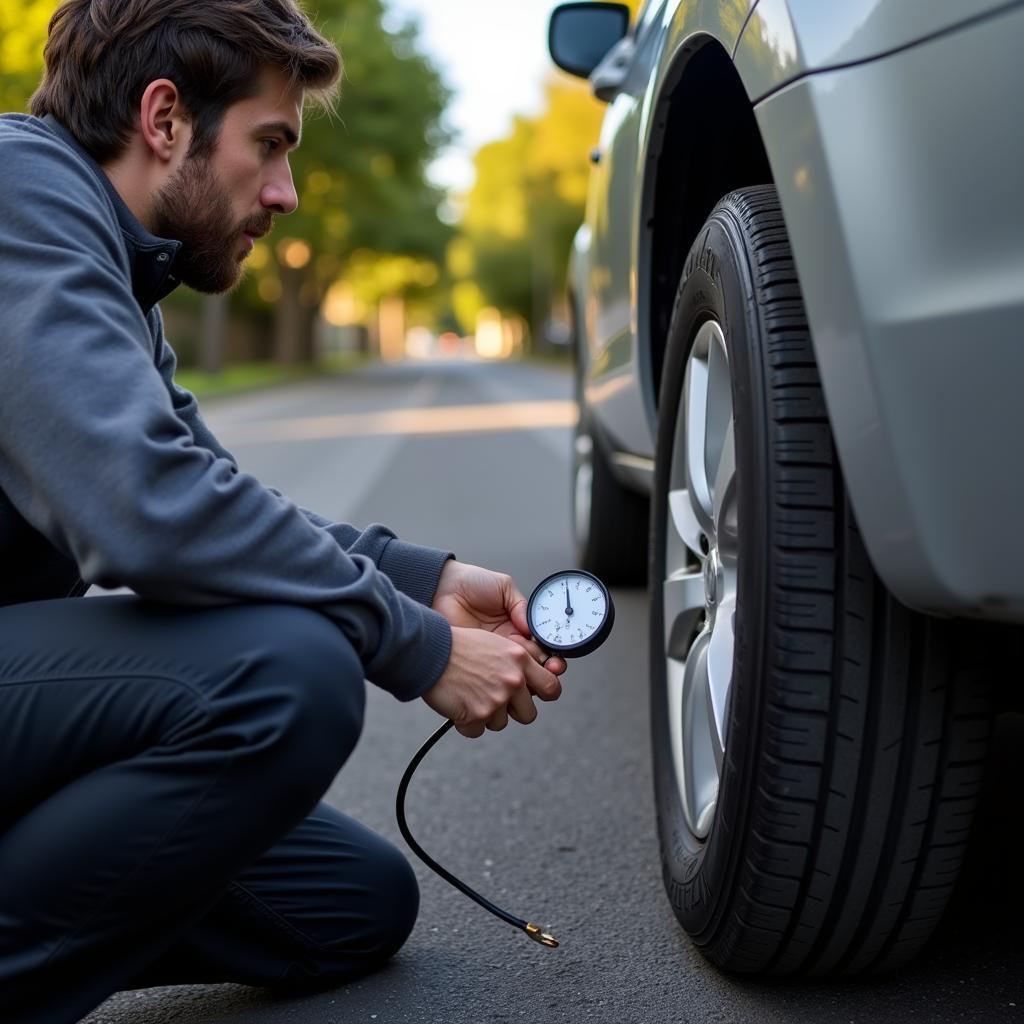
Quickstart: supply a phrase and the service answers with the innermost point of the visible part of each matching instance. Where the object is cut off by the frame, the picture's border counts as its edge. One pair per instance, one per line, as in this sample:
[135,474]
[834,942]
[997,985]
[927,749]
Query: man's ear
[165,126]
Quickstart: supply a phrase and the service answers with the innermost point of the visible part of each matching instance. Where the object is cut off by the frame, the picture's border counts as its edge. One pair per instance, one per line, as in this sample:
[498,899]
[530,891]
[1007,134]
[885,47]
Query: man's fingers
[553,664]
[543,683]
[517,613]
[515,605]
[488,680]
[521,707]
[498,720]
[532,646]
[539,680]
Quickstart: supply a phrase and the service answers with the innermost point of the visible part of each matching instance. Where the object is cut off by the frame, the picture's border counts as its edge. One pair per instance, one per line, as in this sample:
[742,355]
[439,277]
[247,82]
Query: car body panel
[915,294]
[616,375]
[785,39]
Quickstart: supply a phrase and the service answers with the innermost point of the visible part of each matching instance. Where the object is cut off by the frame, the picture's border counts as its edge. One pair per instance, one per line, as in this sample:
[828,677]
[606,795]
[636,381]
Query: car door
[612,385]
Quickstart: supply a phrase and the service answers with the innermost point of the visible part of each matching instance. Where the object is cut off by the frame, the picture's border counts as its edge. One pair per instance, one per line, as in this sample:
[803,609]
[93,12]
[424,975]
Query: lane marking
[452,419]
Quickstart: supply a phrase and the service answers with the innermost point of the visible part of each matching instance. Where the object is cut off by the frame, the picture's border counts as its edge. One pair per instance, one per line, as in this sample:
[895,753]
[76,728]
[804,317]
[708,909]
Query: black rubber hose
[517,922]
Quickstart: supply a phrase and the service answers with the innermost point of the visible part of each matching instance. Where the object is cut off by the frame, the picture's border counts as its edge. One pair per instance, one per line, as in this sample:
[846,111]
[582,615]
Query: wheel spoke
[686,527]
[684,605]
[675,675]
[724,498]
[719,404]
[719,676]
[695,404]
[697,764]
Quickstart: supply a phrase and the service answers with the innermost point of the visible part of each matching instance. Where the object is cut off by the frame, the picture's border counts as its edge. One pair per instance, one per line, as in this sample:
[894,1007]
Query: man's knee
[324,679]
[392,900]
[399,904]
[296,693]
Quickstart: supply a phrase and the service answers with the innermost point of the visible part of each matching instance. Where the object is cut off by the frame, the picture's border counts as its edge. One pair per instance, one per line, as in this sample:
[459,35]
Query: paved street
[554,821]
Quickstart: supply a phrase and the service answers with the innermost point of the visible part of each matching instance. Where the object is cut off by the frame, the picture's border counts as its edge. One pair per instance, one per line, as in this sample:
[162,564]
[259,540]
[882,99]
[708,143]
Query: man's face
[216,206]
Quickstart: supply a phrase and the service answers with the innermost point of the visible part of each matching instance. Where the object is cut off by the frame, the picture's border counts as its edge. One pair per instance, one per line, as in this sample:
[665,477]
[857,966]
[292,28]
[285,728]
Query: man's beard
[194,209]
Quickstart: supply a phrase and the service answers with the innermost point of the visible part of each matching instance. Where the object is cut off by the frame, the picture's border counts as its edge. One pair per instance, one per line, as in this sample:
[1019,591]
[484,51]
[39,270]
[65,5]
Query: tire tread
[873,733]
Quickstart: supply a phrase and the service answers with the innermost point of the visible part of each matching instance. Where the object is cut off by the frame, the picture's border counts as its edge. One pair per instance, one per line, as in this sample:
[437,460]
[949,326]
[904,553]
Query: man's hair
[101,55]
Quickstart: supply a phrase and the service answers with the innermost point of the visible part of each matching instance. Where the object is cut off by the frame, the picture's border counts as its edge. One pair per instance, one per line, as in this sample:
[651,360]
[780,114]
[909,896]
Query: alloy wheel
[700,577]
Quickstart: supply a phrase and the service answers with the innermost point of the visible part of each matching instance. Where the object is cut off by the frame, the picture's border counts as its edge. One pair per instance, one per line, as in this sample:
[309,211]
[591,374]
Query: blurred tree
[361,175]
[360,172]
[23,25]
[525,206]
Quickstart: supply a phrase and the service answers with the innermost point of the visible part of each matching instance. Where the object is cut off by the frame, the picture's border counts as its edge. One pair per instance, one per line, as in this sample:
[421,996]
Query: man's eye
[270,145]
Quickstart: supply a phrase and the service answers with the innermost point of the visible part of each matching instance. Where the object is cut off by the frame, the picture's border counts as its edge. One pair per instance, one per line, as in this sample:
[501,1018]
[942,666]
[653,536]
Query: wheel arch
[704,142]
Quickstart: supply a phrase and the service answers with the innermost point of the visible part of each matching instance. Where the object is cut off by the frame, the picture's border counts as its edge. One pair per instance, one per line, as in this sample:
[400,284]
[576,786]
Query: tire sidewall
[716,284]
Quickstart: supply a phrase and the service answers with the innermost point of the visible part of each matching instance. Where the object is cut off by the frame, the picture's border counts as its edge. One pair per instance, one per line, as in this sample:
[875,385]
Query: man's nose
[279,195]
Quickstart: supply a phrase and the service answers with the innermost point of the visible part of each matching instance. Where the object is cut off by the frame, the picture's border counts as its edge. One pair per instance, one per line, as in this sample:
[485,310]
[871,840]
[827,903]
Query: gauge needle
[568,603]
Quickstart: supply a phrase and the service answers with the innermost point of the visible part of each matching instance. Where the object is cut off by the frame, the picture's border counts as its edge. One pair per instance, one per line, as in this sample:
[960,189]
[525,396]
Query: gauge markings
[574,631]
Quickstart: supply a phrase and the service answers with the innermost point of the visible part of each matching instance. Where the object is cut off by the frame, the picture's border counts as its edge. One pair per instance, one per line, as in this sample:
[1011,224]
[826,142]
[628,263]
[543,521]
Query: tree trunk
[211,333]
[391,326]
[288,319]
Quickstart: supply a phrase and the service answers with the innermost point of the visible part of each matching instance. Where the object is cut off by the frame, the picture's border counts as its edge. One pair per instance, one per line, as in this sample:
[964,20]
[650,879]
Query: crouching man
[162,756]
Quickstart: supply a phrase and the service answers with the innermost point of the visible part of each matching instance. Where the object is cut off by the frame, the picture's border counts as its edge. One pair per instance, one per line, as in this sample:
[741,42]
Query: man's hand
[473,597]
[495,668]
[489,678]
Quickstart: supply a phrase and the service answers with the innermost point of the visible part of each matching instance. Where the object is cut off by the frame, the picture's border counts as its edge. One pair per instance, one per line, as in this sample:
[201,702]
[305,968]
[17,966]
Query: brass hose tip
[542,937]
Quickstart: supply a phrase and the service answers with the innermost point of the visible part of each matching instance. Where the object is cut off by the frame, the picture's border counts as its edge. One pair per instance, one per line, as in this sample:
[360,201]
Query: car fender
[900,286]
[783,40]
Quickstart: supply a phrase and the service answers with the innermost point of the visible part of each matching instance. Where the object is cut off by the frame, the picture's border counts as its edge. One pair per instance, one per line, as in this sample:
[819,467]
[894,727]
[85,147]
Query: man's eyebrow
[279,126]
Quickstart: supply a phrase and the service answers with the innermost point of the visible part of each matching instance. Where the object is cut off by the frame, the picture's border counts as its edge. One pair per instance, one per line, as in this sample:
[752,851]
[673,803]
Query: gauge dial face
[570,612]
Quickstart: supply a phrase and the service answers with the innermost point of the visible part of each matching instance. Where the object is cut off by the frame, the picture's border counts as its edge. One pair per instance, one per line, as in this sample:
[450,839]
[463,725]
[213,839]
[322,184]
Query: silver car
[799,313]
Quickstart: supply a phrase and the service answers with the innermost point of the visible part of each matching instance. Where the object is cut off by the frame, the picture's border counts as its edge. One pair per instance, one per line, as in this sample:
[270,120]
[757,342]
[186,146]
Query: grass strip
[242,377]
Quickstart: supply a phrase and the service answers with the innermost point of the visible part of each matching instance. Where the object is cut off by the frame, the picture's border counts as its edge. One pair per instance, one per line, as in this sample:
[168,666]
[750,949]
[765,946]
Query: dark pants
[160,771]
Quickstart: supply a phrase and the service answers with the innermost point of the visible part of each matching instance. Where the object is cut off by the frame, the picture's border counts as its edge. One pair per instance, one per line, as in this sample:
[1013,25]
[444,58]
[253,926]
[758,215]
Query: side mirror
[581,34]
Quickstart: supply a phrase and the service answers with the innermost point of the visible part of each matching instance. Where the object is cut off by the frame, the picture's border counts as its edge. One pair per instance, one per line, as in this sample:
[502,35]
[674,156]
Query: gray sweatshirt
[108,474]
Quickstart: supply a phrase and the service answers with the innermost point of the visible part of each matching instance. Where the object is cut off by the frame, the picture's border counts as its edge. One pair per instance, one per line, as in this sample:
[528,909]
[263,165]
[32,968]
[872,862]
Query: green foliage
[526,204]
[360,171]
[22,36]
[254,376]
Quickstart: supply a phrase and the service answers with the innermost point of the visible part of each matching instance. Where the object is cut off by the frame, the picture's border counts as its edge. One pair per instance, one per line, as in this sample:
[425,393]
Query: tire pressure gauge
[570,613]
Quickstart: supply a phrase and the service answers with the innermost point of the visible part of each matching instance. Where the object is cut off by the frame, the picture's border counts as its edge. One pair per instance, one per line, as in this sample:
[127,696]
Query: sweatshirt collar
[151,258]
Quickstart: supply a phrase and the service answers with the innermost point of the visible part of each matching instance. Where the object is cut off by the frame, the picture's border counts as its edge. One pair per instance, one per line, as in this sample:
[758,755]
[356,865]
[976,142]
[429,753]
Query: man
[162,756]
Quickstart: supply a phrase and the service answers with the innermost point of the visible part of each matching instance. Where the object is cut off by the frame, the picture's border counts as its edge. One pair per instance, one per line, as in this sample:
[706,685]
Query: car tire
[609,521]
[818,747]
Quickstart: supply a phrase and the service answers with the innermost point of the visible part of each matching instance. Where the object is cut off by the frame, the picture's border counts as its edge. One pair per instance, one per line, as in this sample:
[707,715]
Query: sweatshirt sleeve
[95,457]
[413,569]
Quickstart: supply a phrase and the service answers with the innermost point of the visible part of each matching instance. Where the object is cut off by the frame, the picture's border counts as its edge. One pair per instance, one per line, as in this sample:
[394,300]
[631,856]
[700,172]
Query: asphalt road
[555,820]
